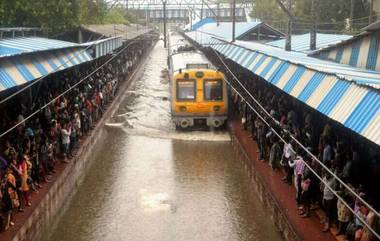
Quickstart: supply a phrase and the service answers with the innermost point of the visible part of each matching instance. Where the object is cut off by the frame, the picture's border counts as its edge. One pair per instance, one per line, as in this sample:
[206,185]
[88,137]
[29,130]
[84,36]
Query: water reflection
[149,182]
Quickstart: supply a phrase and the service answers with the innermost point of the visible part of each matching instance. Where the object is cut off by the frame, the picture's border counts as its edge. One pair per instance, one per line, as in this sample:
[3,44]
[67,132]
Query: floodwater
[150,182]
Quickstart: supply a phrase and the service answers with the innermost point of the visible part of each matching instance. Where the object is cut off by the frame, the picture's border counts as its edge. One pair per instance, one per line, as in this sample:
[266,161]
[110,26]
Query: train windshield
[213,90]
[186,90]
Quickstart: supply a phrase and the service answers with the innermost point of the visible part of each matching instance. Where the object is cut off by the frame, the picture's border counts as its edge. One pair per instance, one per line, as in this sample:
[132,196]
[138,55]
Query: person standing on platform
[298,165]
[287,155]
[329,201]
[23,170]
[275,154]
[66,133]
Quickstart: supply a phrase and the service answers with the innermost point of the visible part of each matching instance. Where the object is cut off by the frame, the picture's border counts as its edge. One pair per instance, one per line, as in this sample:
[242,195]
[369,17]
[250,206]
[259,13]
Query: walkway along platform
[278,197]
[51,200]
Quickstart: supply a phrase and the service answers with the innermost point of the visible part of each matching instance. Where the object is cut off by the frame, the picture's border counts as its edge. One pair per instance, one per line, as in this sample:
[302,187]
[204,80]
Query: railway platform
[284,195]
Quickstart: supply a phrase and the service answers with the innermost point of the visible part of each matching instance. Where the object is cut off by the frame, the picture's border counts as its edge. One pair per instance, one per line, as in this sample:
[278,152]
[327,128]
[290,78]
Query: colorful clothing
[344,214]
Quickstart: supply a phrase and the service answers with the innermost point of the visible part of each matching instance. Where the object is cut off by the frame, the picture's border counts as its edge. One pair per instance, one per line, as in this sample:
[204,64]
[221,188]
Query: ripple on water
[146,111]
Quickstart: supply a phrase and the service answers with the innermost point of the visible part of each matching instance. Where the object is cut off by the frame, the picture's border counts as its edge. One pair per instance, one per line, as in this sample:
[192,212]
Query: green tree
[269,12]
[115,15]
[51,15]
[331,15]
[58,15]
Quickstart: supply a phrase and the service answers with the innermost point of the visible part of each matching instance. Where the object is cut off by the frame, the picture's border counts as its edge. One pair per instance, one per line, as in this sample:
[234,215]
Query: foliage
[116,15]
[58,15]
[268,11]
[48,14]
[331,15]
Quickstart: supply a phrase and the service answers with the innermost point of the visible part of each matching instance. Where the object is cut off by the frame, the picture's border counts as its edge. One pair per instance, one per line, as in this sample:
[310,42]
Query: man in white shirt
[288,155]
[65,134]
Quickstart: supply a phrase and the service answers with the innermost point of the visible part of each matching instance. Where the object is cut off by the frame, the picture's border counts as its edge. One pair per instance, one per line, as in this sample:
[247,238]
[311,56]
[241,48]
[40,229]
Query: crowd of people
[348,157]
[30,153]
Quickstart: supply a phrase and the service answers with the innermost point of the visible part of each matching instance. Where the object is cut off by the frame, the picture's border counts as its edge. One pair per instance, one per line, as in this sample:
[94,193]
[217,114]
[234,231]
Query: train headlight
[216,108]
[182,108]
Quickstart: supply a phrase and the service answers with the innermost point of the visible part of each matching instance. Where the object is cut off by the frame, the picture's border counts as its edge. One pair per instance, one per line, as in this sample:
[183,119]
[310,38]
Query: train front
[199,95]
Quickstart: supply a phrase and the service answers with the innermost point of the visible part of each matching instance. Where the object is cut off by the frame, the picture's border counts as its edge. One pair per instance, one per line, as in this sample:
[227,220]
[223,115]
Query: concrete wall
[270,204]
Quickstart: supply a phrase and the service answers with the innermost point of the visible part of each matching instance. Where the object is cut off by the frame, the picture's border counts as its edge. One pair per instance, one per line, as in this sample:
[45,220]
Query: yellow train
[198,91]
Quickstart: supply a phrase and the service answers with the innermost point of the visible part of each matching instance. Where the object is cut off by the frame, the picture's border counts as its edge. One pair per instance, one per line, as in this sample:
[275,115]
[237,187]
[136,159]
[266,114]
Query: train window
[186,90]
[213,90]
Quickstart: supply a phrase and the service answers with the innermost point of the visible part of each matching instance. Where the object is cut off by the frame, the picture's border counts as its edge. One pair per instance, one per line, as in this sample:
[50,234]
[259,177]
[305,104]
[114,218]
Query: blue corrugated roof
[14,46]
[27,58]
[301,43]
[330,88]
[103,46]
[202,22]
[223,30]
[360,76]
[21,69]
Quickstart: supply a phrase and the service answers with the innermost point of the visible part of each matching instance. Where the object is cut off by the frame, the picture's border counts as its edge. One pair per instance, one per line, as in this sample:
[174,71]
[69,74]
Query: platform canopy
[202,22]
[127,32]
[103,47]
[251,31]
[25,59]
[343,93]
[301,42]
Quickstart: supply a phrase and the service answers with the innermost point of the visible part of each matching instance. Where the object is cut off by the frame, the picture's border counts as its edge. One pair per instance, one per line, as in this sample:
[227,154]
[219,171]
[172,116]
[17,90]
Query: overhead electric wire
[305,149]
[32,83]
[63,93]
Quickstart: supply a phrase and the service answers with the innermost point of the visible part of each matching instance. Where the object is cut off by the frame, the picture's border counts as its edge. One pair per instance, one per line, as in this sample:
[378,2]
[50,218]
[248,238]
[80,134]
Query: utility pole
[191,19]
[212,12]
[217,14]
[352,6]
[288,42]
[164,3]
[370,19]
[233,19]
[201,11]
[126,26]
[136,14]
[313,33]
[288,11]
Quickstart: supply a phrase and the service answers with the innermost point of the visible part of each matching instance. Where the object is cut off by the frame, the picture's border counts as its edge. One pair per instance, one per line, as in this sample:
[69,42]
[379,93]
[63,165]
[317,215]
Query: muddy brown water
[150,182]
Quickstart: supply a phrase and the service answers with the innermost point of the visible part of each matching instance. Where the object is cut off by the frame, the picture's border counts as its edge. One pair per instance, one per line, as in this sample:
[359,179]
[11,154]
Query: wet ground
[150,182]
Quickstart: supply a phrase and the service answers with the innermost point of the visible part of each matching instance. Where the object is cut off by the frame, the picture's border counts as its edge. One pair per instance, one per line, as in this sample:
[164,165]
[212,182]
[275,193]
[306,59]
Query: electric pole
[191,19]
[288,42]
[313,33]
[217,16]
[370,19]
[164,8]
[233,19]
[288,11]
[352,6]
[201,11]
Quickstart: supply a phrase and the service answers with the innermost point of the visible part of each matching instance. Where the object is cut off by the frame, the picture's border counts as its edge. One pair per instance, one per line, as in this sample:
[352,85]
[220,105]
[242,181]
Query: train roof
[177,43]
[190,60]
